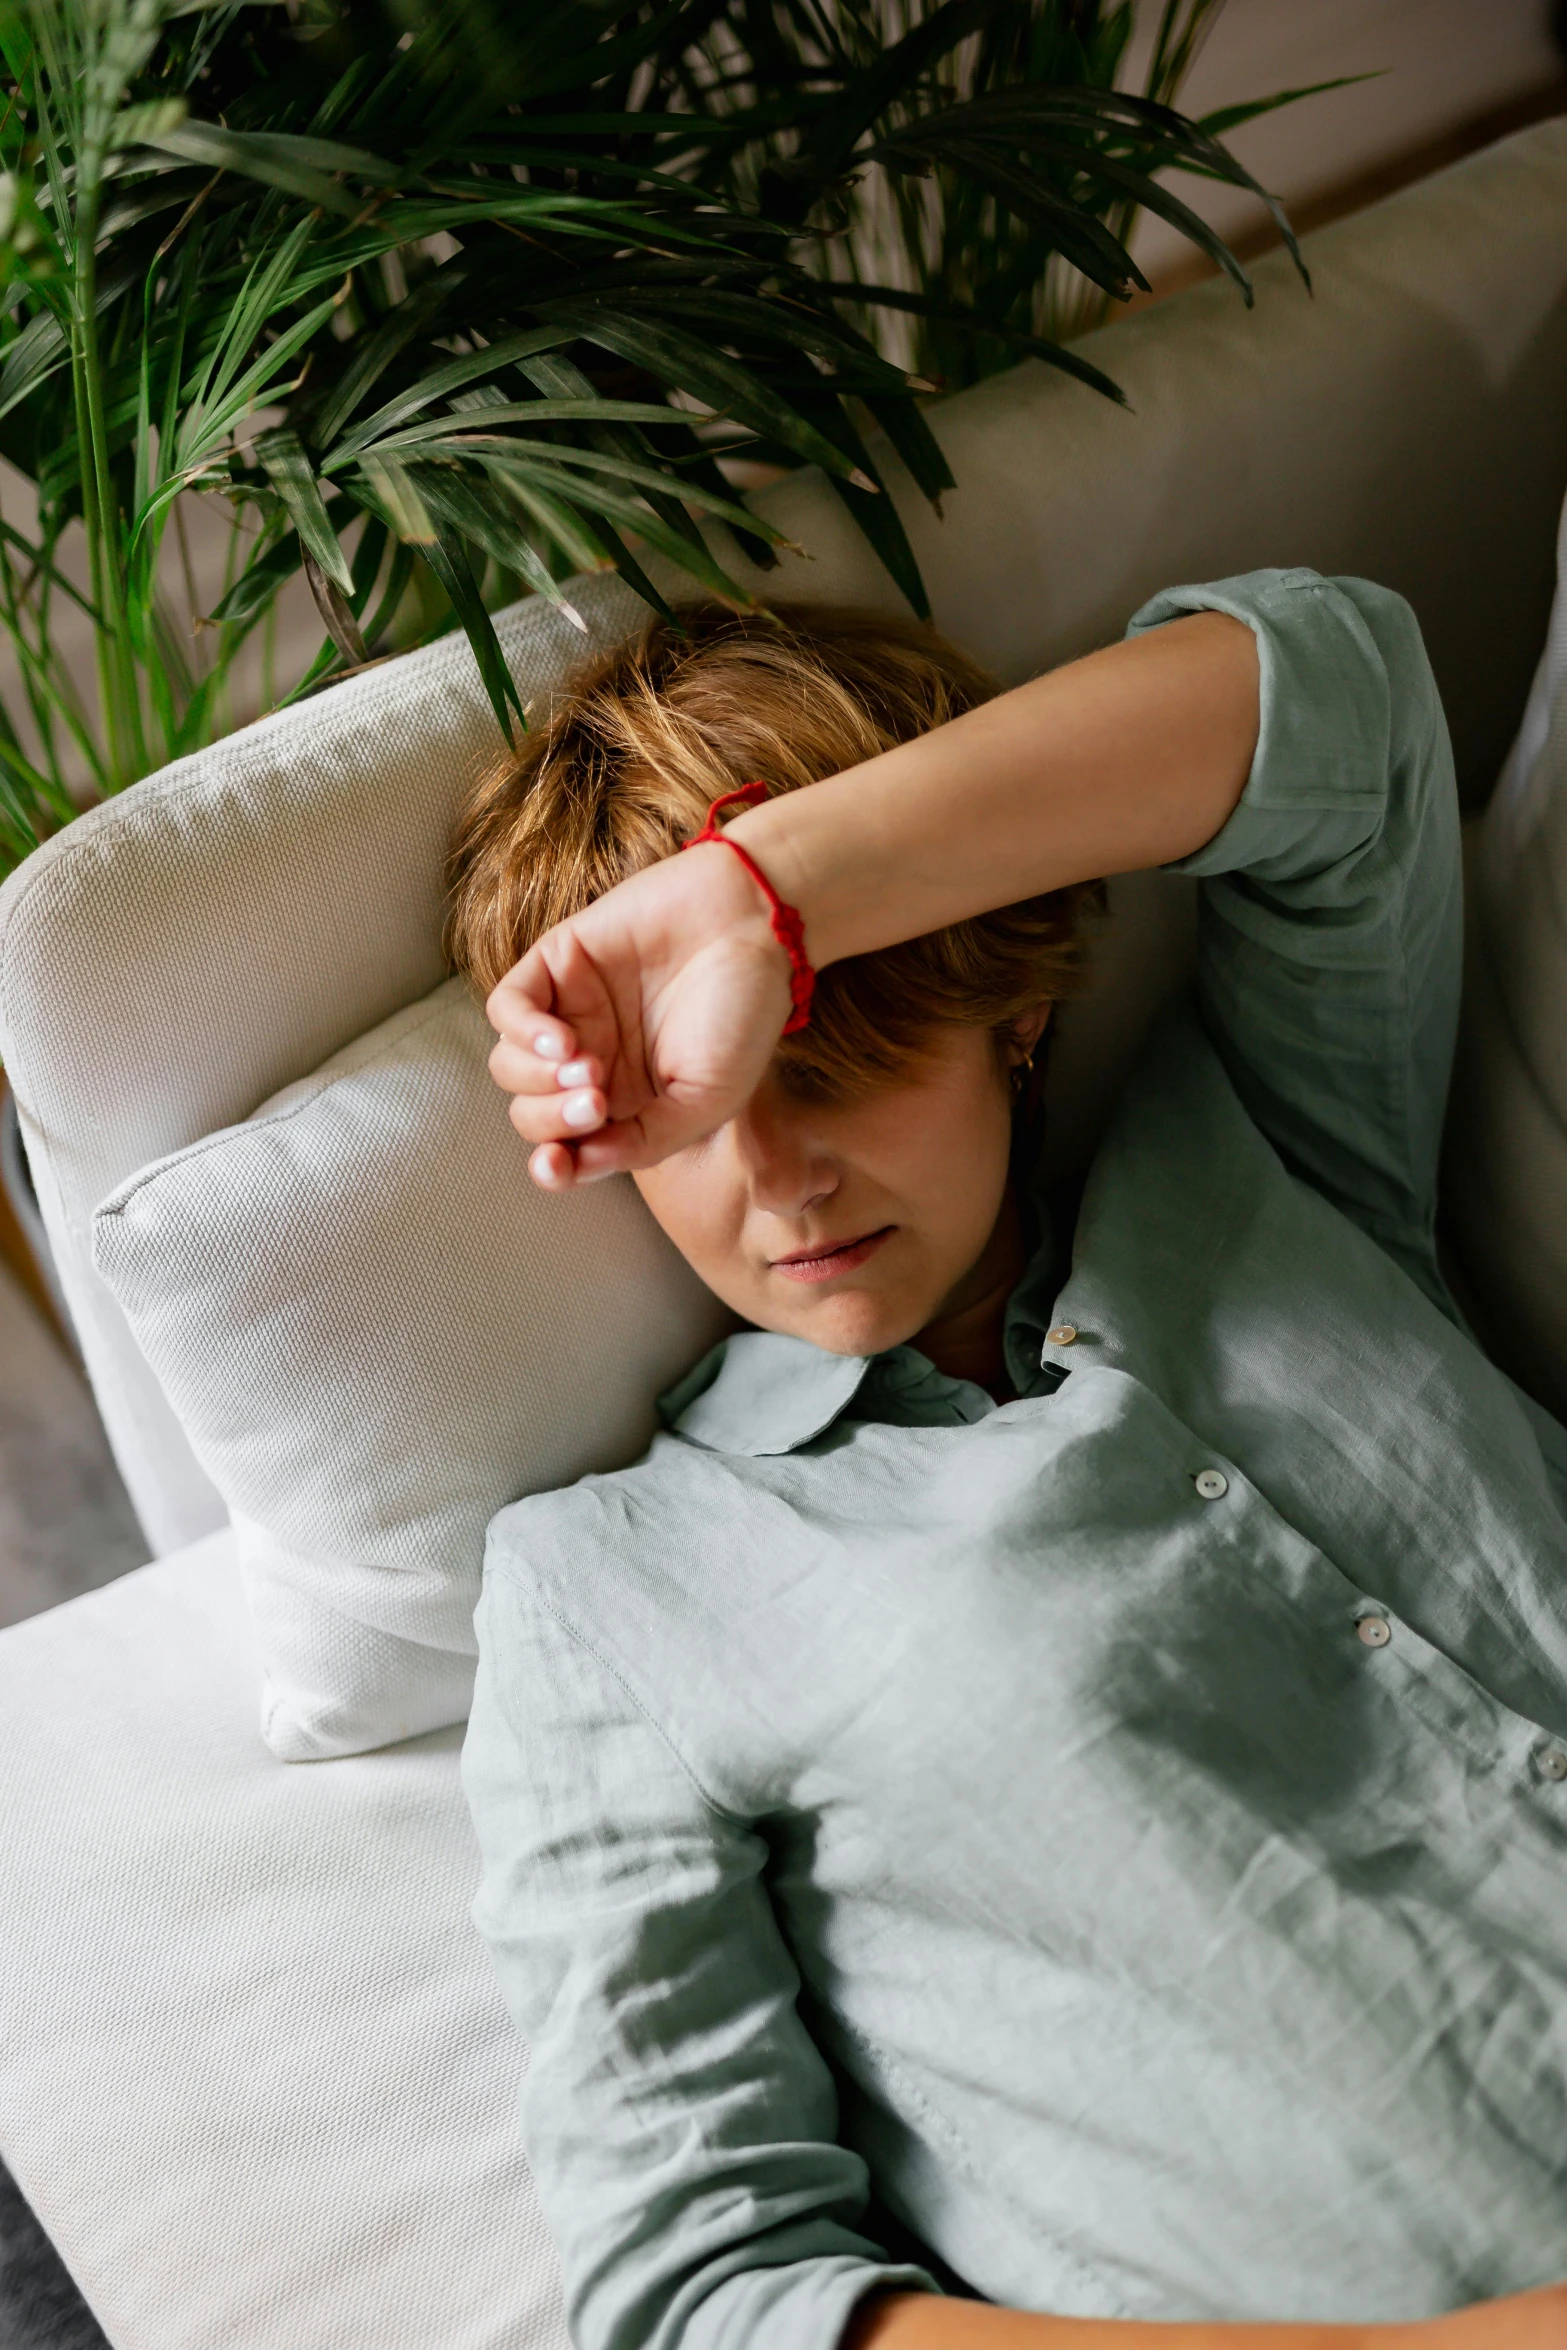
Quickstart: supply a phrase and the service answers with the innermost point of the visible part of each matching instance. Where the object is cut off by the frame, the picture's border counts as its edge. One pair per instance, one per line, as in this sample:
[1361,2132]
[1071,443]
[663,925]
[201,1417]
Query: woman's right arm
[917,2321]
[679,2120]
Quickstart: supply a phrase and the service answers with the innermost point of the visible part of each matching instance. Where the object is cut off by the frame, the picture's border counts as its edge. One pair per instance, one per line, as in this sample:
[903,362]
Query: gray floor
[65,1524]
[65,1527]
[40,2308]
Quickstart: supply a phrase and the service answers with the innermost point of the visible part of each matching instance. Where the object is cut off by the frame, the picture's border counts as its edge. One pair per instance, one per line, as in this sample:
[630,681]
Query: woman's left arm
[899,2321]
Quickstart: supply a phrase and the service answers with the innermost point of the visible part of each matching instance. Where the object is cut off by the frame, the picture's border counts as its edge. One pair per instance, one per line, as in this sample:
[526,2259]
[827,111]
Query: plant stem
[117,681]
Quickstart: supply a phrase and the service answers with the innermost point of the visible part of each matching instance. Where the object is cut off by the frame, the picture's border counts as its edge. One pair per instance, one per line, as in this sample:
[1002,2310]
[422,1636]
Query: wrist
[784,921]
[735,912]
[732,905]
[795,855]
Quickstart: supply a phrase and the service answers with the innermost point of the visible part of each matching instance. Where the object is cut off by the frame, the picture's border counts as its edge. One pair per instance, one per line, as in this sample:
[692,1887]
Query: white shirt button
[1551,1763]
[1212,1484]
[1063,1334]
[1375,1631]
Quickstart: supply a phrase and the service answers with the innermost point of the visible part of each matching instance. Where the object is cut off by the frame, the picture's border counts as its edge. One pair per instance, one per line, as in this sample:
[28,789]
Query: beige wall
[1439,65]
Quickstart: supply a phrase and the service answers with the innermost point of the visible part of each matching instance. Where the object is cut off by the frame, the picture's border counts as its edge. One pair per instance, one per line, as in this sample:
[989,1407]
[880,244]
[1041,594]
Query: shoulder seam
[580,1640]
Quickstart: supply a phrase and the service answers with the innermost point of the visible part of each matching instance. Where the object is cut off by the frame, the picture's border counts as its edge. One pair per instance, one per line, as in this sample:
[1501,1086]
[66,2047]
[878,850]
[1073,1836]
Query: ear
[1026,1031]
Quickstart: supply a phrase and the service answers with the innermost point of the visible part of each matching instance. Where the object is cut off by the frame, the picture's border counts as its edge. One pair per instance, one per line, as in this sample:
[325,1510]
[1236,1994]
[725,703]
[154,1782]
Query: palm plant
[448,304]
[984,209]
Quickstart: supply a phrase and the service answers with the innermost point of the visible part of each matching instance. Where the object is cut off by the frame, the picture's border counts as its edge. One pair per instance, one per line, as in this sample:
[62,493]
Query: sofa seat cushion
[255,2077]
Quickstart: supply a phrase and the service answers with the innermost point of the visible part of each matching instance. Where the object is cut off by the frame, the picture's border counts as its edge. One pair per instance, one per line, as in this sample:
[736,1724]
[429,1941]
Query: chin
[851,1324]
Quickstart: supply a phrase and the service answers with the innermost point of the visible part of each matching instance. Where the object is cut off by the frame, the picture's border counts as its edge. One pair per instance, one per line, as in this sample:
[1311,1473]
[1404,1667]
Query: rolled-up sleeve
[679,2120]
[1331,912]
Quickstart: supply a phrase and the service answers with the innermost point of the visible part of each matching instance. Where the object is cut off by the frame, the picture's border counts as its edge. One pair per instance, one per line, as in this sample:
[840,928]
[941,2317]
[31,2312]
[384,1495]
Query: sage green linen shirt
[1126,1828]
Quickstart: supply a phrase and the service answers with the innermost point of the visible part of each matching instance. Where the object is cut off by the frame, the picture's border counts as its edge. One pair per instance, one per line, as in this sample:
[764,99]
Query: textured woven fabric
[255,2078]
[182,952]
[376,1330]
[1507,1155]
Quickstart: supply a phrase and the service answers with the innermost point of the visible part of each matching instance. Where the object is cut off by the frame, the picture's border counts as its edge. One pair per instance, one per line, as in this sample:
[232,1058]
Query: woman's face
[849,1224]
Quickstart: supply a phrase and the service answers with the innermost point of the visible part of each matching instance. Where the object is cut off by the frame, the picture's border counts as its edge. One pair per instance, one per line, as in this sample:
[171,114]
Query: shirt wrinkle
[573,1632]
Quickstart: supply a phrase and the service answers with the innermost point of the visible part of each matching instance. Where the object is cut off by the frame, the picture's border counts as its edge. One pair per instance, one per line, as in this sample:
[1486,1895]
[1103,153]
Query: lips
[825,1264]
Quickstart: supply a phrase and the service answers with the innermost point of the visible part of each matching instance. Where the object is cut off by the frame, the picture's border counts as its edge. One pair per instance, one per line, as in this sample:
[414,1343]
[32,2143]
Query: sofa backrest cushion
[179,953]
[1506,1161]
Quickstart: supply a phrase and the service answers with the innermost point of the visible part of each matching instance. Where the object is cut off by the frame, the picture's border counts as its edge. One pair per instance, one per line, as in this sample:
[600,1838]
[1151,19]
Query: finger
[568,1166]
[552,1167]
[519,1009]
[563,997]
[603,1154]
[544,1034]
[617,1147]
[620,1146]
[519,1070]
[558,1117]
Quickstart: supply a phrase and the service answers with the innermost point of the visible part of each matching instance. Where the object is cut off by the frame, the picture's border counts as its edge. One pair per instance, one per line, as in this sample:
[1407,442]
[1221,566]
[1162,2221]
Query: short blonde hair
[623,769]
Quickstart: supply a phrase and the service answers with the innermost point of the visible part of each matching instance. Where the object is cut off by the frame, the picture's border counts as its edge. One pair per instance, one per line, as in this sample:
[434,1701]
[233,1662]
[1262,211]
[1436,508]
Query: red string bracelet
[788,928]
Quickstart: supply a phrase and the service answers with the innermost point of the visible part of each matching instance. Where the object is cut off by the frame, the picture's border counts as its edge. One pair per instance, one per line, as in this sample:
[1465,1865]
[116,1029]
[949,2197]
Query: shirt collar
[761,1392]
[1031,1311]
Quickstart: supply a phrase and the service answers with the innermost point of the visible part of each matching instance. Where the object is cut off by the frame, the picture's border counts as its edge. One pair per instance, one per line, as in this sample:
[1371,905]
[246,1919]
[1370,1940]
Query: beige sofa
[253,2074]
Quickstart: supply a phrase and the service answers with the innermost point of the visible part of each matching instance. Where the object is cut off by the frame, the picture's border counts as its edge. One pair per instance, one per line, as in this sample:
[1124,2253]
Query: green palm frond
[452,293]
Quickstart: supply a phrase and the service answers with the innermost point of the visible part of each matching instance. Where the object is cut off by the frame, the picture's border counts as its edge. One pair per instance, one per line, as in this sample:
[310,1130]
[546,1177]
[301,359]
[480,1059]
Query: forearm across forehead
[1129,758]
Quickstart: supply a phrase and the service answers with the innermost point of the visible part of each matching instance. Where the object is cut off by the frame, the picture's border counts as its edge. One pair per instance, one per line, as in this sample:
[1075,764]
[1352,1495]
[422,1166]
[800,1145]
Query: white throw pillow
[1507,1131]
[376,1331]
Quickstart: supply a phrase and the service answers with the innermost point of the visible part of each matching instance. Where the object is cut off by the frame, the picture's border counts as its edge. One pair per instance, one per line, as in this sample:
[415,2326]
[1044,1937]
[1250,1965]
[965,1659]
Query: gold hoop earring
[1022,1071]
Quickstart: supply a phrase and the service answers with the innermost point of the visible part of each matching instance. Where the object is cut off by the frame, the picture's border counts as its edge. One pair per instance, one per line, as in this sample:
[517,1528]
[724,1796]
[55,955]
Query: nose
[787,1165]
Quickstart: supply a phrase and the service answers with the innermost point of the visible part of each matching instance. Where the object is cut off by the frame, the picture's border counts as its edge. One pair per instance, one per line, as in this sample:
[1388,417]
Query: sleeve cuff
[799,2305]
[1318,781]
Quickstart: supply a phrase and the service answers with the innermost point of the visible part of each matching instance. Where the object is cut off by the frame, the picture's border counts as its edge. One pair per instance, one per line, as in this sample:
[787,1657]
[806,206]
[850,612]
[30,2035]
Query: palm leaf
[382,344]
[255,590]
[974,322]
[592,410]
[659,209]
[834,137]
[1231,118]
[299,166]
[442,382]
[448,559]
[396,497]
[282,458]
[460,510]
[727,386]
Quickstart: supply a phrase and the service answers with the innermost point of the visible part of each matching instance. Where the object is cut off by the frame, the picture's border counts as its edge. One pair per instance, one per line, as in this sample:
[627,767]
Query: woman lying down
[1037,1815]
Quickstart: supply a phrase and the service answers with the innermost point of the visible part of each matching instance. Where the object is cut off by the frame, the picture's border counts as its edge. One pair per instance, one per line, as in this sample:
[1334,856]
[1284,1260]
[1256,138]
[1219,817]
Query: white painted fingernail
[548,1046]
[574,1073]
[581,1110]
